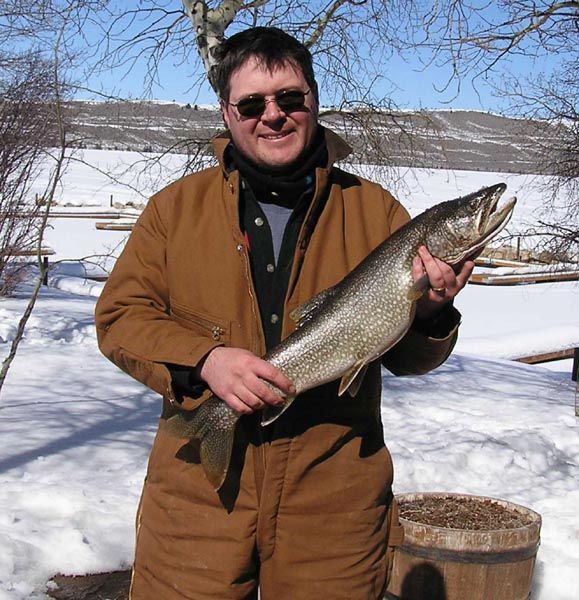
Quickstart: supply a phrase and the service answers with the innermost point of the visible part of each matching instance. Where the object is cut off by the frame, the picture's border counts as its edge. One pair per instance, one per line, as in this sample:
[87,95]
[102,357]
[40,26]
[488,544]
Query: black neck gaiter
[289,182]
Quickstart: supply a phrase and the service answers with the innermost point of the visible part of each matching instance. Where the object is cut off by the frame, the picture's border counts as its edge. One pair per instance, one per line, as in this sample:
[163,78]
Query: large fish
[345,327]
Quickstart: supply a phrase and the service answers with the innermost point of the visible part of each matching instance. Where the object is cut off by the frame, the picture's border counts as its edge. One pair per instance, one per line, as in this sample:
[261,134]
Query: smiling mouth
[275,136]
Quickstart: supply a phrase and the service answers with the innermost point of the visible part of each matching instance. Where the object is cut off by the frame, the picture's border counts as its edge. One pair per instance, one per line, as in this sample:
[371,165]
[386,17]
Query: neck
[291,179]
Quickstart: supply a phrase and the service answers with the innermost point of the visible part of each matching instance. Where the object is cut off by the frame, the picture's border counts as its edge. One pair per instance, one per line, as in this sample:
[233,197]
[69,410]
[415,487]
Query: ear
[316,110]
[225,112]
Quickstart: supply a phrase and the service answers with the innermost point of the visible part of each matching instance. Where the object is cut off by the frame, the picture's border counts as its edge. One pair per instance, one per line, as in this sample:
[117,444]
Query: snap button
[270,268]
[274,319]
[171,395]
[216,333]
[259,221]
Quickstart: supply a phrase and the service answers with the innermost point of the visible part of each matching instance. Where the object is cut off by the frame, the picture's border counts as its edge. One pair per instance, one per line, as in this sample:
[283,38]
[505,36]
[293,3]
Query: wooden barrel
[467,561]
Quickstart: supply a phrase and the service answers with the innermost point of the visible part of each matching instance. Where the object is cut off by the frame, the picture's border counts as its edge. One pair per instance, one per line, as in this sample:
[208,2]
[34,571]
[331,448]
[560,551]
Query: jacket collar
[338,149]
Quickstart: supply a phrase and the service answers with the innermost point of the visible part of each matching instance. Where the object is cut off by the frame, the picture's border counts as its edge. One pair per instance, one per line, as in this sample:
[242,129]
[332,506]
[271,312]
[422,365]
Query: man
[204,287]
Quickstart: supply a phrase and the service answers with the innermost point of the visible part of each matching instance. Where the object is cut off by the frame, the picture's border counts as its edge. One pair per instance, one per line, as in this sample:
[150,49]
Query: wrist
[438,325]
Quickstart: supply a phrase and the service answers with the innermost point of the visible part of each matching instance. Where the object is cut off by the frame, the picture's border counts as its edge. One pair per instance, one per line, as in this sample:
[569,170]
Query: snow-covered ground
[76,432]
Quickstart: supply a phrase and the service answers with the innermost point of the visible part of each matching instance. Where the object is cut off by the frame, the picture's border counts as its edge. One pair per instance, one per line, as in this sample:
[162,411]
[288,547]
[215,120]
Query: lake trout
[345,327]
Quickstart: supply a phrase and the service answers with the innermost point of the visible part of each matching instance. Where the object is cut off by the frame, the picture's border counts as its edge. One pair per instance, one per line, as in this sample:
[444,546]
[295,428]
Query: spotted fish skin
[345,327]
[353,323]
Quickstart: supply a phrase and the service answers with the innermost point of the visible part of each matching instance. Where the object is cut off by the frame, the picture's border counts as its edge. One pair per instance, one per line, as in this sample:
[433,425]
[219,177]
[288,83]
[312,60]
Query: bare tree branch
[325,19]
[55,179]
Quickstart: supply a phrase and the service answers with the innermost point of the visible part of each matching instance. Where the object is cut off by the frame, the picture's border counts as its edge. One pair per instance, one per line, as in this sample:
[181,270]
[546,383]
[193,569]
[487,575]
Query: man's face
[274,139]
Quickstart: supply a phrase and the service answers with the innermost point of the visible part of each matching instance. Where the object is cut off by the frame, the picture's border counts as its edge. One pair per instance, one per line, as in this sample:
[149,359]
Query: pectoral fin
[352,380]
[419,287]
[213,424]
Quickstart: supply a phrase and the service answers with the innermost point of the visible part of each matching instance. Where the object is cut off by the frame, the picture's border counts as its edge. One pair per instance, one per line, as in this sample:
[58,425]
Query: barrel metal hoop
[391,596]
[462,556]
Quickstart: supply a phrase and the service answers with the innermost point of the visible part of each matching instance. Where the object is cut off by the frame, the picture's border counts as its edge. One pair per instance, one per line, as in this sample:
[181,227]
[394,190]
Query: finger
[237,405]
[464,274]
[431,264]
[448,275]
[417,268]
[270,373]
[266,394]
[433,270]
[251,399]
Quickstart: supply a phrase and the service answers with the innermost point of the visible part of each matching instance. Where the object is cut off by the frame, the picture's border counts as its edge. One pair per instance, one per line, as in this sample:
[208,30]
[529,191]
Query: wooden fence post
[45,265]
[575,378]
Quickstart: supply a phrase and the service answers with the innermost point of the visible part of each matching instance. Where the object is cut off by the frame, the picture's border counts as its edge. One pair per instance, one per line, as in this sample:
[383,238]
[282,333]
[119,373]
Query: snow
[76,431]
[519,320]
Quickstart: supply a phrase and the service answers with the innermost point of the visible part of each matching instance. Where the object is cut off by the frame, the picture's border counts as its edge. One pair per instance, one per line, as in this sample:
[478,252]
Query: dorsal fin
[306,311]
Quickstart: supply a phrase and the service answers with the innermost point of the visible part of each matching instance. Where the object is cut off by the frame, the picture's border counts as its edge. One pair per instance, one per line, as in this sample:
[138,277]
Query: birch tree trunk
[209,26]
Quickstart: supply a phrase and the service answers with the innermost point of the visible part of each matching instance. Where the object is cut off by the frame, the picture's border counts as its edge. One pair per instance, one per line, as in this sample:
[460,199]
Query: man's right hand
[238,376]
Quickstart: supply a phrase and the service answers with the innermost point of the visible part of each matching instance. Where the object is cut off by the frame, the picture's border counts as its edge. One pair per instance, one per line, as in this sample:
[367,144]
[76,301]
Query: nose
[272,111]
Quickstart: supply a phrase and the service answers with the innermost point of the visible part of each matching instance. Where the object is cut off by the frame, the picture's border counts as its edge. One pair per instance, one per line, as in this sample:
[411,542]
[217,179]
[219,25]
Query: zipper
[261,462]
[205,322]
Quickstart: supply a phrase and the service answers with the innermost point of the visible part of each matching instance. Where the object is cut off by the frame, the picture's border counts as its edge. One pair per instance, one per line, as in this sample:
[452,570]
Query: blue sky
[408,83]
[412,86]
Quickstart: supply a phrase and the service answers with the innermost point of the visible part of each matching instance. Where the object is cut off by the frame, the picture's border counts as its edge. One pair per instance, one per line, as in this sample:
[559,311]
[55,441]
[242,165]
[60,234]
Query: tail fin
[213,424]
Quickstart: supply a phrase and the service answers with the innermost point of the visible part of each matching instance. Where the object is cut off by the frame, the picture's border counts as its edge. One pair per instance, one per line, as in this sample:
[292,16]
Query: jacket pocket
[202,323]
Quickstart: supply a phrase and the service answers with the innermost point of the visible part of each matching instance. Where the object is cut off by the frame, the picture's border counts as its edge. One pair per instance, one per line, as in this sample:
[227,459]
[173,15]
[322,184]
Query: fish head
[456,229]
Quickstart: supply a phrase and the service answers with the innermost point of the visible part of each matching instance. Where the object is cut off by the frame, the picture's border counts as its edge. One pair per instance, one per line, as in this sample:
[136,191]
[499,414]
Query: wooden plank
[484,261]
[114,226]
[97,277]
[85,215]
[34,252]
[489,279]
[534,359]
[72,215]
[102,214]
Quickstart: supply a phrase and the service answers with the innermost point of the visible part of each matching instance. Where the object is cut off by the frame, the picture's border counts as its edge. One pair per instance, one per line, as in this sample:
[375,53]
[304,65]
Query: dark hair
[271,46]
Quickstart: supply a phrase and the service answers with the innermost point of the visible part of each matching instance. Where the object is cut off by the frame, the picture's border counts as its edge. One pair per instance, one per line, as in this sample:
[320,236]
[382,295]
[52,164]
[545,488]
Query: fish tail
[213,424]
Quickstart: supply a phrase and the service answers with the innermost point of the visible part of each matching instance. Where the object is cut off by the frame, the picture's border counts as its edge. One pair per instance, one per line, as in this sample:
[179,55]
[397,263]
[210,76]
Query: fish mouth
[491,219]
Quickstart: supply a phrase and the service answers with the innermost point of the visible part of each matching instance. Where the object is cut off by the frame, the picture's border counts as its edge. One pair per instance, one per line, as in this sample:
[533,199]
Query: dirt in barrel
[100,586]
[462,513]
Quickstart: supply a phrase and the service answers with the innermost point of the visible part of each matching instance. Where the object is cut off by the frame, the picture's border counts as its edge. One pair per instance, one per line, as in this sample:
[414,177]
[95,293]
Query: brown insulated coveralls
[307,510]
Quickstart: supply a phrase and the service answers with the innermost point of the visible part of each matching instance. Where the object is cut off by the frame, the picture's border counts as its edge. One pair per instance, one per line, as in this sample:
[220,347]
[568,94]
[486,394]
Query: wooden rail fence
[106,226]
[514,279]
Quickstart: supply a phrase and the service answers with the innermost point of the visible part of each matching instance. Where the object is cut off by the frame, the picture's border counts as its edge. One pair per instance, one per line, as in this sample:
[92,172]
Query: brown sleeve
[417,353]
[135,329]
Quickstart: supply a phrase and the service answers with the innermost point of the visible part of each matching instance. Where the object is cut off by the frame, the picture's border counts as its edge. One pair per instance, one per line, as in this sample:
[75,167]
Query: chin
[281,162]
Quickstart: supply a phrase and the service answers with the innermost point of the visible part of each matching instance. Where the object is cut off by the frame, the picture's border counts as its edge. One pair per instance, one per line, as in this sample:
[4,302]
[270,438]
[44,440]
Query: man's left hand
[445,281]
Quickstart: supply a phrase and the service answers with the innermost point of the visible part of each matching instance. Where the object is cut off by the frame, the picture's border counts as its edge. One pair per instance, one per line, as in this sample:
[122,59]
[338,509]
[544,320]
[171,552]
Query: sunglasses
[287,101]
